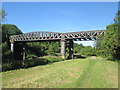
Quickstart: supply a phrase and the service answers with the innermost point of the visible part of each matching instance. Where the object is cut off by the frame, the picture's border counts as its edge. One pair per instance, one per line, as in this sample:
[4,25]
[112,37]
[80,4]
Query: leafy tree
[108,45]
[8,30]
[2,15]
[53,48]
[77,47]
[117,18]
[88,50]
[35,49]
[42,49]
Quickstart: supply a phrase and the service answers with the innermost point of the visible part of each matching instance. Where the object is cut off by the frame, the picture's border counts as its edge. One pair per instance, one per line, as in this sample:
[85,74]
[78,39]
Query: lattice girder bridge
[55,36]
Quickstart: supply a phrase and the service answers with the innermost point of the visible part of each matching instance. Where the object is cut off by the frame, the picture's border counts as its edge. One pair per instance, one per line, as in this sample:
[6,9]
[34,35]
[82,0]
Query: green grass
[77,73]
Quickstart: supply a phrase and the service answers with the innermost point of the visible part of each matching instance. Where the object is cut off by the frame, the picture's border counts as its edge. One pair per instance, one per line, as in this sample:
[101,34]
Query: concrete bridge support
[70,47]
[24,54]
[15,51]
[12,49]
[63,49]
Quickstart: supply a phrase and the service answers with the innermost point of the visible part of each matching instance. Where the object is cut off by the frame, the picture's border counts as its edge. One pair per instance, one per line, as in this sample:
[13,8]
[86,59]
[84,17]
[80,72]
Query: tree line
[108,45]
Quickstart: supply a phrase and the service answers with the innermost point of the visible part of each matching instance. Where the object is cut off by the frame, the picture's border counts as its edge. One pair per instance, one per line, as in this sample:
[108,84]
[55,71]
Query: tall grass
[11,65]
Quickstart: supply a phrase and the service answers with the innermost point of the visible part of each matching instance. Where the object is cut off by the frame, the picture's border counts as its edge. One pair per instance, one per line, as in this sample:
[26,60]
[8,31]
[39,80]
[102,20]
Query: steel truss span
[43,36]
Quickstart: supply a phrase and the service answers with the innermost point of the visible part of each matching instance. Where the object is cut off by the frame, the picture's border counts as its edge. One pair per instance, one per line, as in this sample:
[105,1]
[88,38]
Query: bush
[108,44]
[31,56]
[11,65]
[6,66]
[51,59]
[88,50]
[6,51]
[30,63]
[8,30]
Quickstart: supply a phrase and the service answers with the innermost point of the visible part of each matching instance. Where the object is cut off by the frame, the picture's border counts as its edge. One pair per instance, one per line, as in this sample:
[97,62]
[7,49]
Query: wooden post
[63,49]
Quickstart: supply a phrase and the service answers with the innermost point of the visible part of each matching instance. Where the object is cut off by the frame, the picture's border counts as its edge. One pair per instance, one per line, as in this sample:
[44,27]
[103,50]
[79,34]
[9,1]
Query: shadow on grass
[79,56]
[13,65]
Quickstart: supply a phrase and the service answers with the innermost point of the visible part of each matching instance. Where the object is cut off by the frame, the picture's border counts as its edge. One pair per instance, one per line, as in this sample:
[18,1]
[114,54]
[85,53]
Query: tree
[108,45]
[77,47]
[8,30]
[2,15]
[117,18]
[88,50]
[53,48]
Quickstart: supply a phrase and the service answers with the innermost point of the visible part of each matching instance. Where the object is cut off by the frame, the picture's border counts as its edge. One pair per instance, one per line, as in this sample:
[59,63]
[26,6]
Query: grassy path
[77,73]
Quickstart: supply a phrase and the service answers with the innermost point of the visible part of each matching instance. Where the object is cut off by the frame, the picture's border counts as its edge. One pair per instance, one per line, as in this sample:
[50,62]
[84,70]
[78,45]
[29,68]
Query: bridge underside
[53,36]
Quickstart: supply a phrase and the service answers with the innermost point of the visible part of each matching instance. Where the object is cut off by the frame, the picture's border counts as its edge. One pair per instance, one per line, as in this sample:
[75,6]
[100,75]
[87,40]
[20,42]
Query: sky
[60,16]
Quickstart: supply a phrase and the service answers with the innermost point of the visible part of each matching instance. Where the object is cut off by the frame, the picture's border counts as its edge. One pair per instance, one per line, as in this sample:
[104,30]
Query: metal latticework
[39,36]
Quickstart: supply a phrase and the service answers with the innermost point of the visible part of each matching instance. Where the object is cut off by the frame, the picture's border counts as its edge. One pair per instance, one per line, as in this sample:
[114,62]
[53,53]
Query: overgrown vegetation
[30,63]
[33,50]
[7,31]
[108,45]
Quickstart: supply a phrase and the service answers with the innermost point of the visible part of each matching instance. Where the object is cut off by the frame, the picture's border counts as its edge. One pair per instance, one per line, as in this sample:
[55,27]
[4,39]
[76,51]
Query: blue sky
[60,16]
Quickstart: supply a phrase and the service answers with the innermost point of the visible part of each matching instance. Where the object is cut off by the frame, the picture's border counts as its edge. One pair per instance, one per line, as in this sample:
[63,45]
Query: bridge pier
[63,49]
[24,54]
[16,52]
[70,47]
[12,48]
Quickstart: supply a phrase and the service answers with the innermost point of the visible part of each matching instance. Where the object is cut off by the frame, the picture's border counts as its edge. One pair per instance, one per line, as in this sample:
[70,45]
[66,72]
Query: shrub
[51,59]
[31,56]
[30,63]
[88,50]
[6,66]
